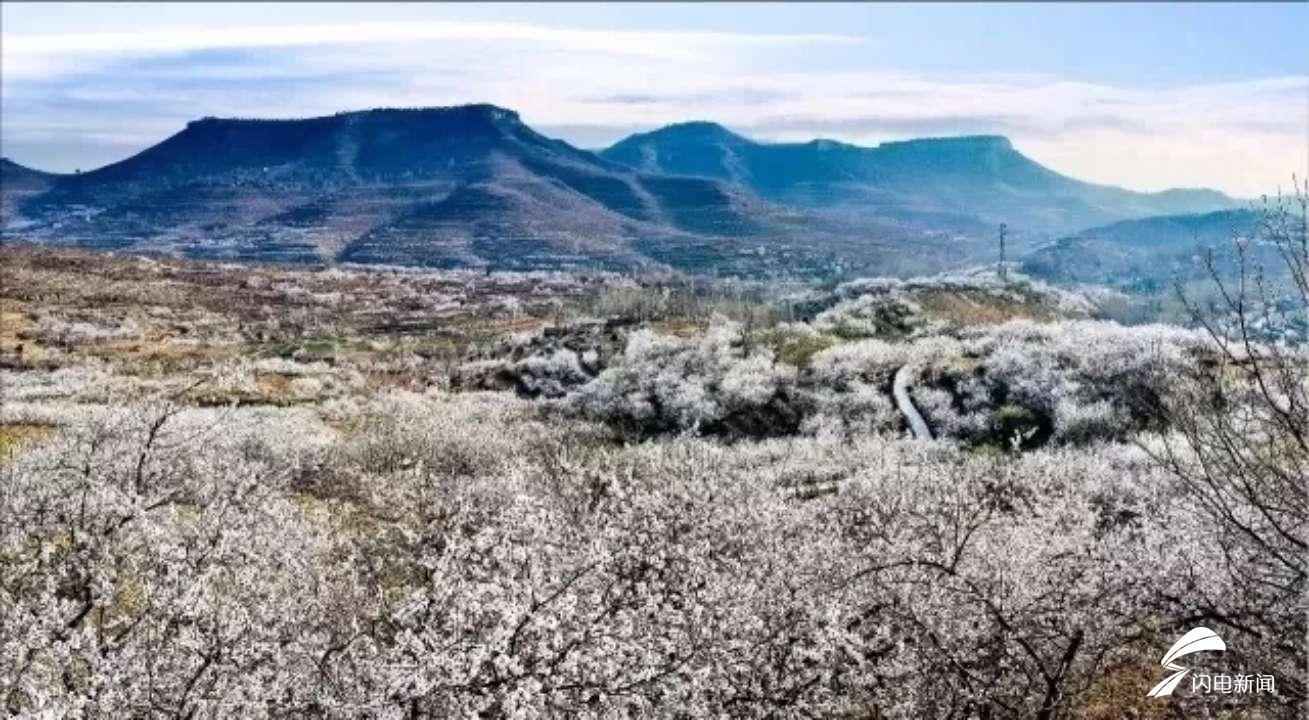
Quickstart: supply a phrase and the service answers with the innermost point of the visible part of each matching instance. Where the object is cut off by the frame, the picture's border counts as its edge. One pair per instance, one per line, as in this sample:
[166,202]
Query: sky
[1145,96]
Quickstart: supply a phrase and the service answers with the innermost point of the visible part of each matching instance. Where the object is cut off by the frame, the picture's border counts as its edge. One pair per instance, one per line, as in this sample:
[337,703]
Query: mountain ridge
[473,185]
[982,175]
[1150,254]
[18,183]
[458,186]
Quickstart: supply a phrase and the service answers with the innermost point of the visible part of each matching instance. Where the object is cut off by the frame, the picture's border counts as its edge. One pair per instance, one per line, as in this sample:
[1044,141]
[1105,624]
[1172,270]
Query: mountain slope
[473,186]
[982,177]
[1147,255]
[20,177]
[702,149]
[19,183]
[469,185]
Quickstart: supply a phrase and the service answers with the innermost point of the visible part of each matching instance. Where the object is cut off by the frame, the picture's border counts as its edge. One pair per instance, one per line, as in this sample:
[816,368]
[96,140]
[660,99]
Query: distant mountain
[929,180]
[701,149]
[20,177]
[1147,255]
[17,184]
[473,186]
[463,186]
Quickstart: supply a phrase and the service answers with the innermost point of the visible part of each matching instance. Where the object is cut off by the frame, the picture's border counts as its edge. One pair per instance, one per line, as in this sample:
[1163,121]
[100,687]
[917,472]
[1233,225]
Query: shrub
[1075,382]
[796,344]
[550,375]
[713,384]
[870,315]
[458,554]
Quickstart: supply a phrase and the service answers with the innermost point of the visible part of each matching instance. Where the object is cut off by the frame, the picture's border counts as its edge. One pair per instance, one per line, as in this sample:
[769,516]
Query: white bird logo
[1201,638]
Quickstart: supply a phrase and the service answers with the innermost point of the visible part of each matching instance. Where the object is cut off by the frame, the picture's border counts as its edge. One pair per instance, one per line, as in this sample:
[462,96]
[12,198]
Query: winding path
[900,389]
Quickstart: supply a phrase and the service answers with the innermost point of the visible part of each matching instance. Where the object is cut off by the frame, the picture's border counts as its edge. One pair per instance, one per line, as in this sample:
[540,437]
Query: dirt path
[900,389]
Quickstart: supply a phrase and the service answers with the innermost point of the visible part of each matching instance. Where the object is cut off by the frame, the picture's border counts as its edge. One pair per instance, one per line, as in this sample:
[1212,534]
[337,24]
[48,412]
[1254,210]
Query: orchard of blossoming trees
[217,511]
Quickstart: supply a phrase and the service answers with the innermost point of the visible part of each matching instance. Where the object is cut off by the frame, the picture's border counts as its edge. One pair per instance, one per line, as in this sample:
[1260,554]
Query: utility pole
[1004,275]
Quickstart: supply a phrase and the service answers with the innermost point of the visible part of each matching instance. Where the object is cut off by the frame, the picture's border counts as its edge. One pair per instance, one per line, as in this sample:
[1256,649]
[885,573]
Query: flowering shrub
[1069,382]
[850,389]
[715,384]
[551,375]
[881,306]
[870,315]
[344,540]
[81,332]
[1084,379]
[456,555]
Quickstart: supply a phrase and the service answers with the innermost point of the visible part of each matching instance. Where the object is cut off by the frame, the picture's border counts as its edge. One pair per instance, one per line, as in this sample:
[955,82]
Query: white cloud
[39,53]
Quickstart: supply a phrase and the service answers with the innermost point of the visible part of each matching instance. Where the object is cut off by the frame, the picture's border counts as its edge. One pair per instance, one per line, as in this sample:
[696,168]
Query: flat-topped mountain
[448,144]
[474,186]
[460,186]
[981,176]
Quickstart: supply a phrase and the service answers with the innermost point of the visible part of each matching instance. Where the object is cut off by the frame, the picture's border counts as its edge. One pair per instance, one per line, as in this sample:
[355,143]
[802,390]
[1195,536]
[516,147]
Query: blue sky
[1146,96]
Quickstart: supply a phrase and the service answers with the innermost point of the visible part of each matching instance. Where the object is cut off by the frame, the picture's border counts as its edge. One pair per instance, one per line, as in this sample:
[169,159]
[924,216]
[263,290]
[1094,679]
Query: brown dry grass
[976,308]
[1120,691]
[15,324]
[274,386]
[17,327]
[14,437]
[270,389]
[160,354]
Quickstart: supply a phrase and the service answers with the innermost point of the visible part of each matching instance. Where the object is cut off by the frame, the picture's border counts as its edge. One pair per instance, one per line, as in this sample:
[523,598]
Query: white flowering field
[234,492]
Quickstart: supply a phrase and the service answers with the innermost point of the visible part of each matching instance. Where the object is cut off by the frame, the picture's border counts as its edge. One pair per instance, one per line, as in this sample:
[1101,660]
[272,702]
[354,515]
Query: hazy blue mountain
[981,177]
[14,176]
[461,186]
[473,186]
[18,183]
[702,149]
[1146,255]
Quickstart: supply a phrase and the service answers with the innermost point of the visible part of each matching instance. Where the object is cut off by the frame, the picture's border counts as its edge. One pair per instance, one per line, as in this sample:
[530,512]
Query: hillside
[928,181]
[468,186]
[473,186]
[1146,255]
[20,177]
[332,482]
[18,183]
